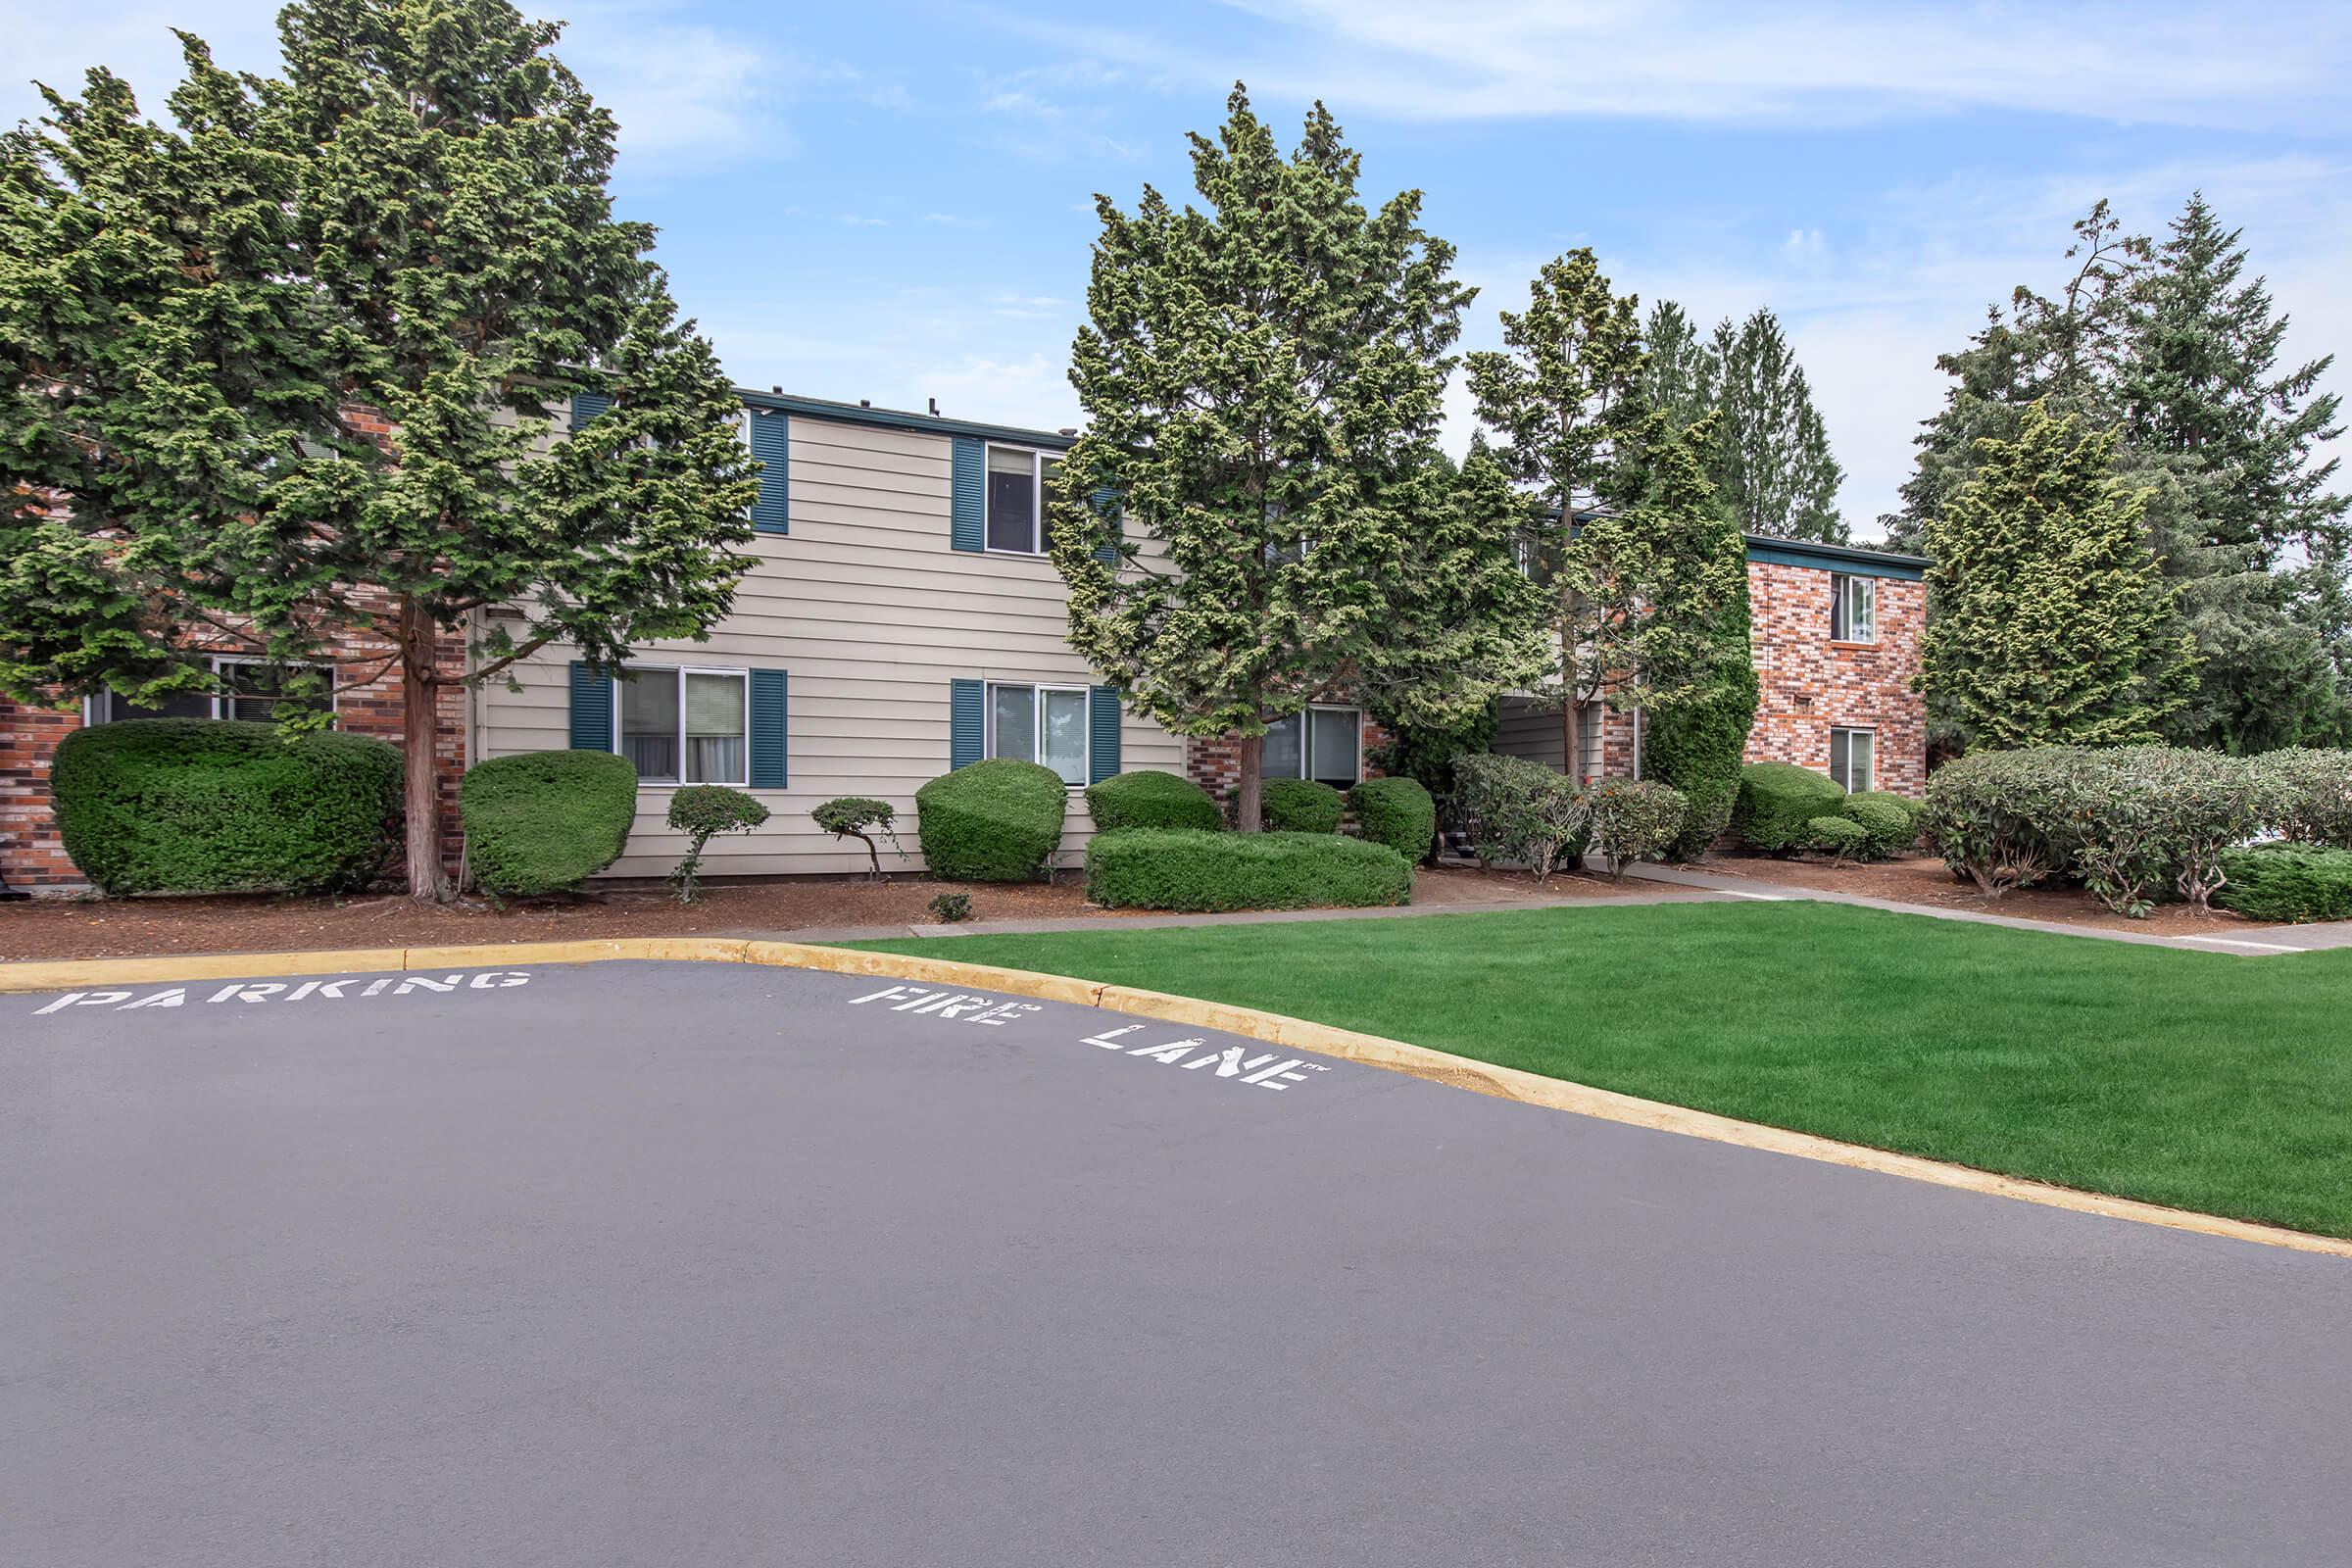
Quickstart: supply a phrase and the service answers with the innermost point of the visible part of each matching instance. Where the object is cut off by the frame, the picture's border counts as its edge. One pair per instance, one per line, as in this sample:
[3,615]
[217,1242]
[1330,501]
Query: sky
[895,200]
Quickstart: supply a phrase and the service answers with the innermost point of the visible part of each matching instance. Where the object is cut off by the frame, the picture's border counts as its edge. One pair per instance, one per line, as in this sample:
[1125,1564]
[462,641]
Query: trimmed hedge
[1777,801]
[1186,869]
[1396,812]
[1890,822]
[1148,798]
[1302,806]
[541,822]
[200,805]
[996,820]
[1841,836]
[2289,881]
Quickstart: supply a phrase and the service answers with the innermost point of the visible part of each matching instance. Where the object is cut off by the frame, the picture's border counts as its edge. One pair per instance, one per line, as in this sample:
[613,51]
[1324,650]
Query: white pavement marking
[400,985]
[2240,942]
[1760,898]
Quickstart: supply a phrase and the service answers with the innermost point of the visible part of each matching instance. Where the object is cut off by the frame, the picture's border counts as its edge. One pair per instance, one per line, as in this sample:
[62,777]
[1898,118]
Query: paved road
[675,1264]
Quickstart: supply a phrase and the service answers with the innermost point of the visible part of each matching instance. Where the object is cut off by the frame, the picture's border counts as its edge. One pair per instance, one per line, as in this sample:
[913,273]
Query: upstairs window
[1323,743]
[1016,488]
[1853,608]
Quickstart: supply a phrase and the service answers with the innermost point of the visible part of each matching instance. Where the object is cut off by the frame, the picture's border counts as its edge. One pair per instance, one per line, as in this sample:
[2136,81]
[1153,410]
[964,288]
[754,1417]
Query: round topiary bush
[1148,798]
[1397,812]
[200,805]
[1841,836]
[702,811]
[1175,868]
[541,822]
[1778,799]
[1889,823]
[992,822]
[1303,806]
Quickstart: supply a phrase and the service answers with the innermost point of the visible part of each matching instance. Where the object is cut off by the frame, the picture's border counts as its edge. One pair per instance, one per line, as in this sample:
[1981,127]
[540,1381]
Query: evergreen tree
[414,220]
[1771,463]
[2055,624]
[1262,381]
[1682,376]
[1565,397]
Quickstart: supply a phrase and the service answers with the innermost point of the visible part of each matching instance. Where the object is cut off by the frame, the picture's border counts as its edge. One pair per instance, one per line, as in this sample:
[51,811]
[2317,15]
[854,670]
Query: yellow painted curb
[1273,1028]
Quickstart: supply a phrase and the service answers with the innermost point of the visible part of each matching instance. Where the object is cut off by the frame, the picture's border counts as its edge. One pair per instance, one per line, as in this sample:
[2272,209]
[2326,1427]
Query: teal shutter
[591,708]
[1107,500]
[967,724]
[967,507]
[770,703]
[771,444]
[586,405]
[1102,733]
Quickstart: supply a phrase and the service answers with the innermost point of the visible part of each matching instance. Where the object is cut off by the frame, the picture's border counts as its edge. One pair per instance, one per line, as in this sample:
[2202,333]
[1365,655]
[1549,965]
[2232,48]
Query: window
[1853,608]
[1043,725]
[256,690]
[1323,743]
[1852,756]
[1017,487]
[684,726]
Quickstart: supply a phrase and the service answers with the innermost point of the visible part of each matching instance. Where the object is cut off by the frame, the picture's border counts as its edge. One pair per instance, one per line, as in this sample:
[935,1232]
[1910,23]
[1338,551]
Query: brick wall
[1811,685]
[1215,763]
[32,858]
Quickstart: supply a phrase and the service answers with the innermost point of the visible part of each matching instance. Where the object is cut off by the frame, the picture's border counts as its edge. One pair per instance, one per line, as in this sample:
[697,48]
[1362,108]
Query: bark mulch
[1925,880]
[114,928]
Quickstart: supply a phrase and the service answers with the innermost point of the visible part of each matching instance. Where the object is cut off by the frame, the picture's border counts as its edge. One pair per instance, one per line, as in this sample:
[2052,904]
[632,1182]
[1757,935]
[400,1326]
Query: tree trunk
[1248,806]
[419,714]
[1572,752]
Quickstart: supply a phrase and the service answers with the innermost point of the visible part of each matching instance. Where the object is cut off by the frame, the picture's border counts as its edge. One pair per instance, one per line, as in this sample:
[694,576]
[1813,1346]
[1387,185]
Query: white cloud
[858,220]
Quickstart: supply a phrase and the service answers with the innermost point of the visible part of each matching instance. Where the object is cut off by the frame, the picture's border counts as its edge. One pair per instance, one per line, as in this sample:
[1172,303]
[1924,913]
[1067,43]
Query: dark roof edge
[901,419]
[1812,552]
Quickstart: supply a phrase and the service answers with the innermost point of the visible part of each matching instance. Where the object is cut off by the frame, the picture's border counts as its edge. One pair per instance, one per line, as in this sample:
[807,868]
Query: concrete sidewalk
[2266,942]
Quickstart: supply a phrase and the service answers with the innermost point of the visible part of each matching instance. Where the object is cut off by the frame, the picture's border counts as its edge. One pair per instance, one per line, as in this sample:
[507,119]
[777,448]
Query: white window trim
[1845,585]
[1036,689]
[1306,739]
[681,671]
[99,709]
[1849,730]
[1037,456]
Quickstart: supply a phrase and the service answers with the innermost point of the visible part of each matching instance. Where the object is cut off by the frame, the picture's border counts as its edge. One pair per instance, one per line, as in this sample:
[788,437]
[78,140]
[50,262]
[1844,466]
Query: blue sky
[893,200]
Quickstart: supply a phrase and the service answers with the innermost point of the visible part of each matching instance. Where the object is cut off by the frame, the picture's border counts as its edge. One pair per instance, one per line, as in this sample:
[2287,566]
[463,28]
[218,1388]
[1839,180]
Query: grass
[2198,1080]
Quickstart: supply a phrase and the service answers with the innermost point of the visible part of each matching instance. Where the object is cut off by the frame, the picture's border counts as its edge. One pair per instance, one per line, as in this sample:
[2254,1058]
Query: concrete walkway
[2266,942]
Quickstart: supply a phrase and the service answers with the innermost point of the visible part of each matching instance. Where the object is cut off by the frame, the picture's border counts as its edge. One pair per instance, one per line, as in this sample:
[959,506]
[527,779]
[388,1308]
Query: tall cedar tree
[1771,461]
[2056,625]
[2166,344]
[413,221]
[1262,381]
[1565,399]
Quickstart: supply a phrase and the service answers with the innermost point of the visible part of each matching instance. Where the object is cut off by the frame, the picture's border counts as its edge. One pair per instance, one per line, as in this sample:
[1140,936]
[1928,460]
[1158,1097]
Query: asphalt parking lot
[638,1263]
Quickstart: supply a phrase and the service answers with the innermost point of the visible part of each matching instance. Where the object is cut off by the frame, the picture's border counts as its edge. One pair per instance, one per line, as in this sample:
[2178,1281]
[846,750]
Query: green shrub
[197,806]
[1302,806]
[1634,819]
[1186,869]
[1517,809]
[1148,798]
[1841,836]
[1696,747]
[1890,822]
[702,811]
[1397,812]
[950,907]
[994,821]
[861,817]
[1777,803]
[2306,794]
[540,822]
[1999,817]
[2288,881]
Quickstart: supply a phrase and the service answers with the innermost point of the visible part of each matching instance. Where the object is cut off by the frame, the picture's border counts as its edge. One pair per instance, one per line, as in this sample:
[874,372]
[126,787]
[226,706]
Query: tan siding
[873,615]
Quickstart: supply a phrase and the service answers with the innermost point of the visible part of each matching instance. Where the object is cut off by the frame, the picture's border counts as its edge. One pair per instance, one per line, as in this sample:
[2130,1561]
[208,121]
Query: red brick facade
[32,860]
[1811,685]
[1215,764]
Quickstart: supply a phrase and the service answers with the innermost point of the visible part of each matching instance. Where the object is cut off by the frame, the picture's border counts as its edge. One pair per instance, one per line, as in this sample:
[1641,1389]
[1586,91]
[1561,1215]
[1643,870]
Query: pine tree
[1771,465]
[1682,376]
[413,221]
[1565,398]
[2056,625]
[1262,381]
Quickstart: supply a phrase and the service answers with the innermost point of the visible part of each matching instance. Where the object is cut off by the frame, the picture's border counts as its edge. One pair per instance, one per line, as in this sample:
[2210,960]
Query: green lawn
[2204,1081]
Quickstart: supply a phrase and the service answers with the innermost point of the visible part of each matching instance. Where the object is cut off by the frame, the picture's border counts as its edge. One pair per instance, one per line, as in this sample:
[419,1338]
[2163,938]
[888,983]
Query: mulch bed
[96,928]
[1924,879]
